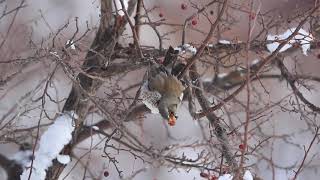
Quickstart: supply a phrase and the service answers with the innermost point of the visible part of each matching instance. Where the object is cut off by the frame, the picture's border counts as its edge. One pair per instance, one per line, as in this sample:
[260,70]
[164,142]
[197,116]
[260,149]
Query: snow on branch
[303,38]
[226,177]
[247,176]
[71,44]
[186,48]
[224,42]
[51,143]
[22,158]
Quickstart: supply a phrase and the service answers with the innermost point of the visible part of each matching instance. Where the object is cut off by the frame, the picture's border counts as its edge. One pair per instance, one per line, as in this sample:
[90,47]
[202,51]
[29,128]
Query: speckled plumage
[150,98]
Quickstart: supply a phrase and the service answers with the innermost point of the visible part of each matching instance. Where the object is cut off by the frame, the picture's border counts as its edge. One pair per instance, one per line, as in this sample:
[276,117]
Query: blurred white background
[43,18]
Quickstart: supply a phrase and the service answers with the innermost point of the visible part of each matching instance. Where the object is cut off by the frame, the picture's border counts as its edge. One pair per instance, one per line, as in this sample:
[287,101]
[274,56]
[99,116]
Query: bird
[162,92]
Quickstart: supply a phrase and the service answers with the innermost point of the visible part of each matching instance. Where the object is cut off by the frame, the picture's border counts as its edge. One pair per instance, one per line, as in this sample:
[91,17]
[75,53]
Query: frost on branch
[51,143]
[303,38]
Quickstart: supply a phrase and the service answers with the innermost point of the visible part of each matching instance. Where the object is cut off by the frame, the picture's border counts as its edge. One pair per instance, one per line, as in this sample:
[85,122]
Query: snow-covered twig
[186,48]
[247,176]
[226,177]
[303,38]
[70,43]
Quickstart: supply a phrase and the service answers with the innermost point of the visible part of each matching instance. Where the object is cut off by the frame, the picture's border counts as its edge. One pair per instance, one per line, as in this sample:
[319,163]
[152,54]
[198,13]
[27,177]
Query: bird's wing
[157,83]
[173,86]
[150,98]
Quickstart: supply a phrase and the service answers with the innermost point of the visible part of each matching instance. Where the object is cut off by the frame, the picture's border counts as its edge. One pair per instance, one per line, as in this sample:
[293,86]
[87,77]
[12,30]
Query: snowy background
[44,17]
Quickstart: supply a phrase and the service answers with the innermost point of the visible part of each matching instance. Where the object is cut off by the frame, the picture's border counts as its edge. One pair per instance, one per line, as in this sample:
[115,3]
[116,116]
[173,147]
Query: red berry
[183,6]
[160,15]
[106,174]
[204,175]
[252,16]
[241,146]
[213,177]
[194,22]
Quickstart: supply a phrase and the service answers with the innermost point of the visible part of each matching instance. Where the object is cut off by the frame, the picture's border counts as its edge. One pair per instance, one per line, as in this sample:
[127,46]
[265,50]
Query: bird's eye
[176,117]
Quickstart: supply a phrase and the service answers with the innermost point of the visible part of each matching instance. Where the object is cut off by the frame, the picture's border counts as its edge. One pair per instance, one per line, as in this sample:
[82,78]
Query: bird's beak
[172,119]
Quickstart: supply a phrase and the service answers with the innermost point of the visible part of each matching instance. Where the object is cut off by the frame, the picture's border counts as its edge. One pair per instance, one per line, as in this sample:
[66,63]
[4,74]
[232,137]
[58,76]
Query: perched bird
[162,92]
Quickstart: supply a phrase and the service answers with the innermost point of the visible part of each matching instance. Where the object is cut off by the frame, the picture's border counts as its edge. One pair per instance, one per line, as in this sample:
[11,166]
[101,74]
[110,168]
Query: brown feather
[166,85]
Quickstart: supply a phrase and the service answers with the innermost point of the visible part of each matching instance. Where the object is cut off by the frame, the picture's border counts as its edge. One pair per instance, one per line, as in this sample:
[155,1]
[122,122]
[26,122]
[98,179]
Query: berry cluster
[183,6]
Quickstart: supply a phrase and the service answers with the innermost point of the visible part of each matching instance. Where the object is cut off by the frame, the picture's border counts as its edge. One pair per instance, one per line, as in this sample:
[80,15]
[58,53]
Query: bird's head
[168,109]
